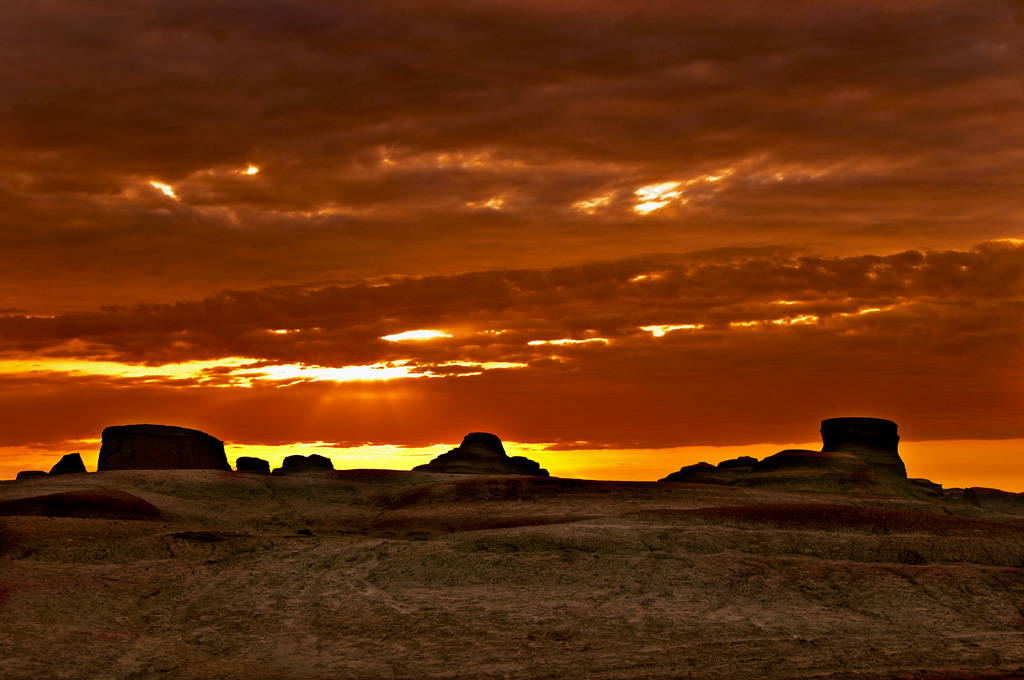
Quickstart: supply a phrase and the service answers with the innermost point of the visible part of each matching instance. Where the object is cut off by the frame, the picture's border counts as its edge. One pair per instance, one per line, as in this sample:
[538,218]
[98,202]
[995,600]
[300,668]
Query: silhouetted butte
[481,453]
[160,447]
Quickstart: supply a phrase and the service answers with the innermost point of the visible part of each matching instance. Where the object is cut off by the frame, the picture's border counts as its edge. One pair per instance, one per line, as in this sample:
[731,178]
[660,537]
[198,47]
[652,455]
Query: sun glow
[656,196]
[296,373]
[416,335]
[590,207]
[659,331]
[569,341]
[251,170]
[167,189]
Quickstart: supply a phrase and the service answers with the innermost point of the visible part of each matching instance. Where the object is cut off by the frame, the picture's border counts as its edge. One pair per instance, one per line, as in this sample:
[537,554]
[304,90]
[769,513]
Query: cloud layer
[425,138]
[714,348]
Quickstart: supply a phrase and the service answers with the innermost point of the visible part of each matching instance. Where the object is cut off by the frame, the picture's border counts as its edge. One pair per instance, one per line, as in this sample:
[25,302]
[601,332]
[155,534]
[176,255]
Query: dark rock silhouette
[971,496]
[31,474]
[741,462]
[692,473]
[481,453]
[256,466]
[70,464]
[793,459]
[872,439]
[90,504]
[312,463]
[927,484]
[859,455]
[160,447]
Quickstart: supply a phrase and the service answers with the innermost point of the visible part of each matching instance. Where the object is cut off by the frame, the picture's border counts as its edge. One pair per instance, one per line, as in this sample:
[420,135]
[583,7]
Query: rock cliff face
[482,453]
[874,440]
[160,447]
[70,464]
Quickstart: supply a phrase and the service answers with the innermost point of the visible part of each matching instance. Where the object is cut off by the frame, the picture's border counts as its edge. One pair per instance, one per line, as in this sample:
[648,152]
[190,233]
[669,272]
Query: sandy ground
[417,575]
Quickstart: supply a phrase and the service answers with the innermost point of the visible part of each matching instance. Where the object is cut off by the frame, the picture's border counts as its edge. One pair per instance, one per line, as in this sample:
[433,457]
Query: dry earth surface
[378,574]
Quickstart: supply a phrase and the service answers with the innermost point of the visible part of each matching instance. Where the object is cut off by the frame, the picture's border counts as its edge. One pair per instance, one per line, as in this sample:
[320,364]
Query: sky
[623,235]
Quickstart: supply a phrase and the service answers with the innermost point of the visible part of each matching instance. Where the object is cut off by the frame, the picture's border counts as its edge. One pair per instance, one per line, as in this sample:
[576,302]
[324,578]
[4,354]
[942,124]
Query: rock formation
[70,464]
[696,473]
[31,474]
[741,462]
[311,463]
[929,485]
[858,455]
[256,466]
[481,453]
[160,447]
[872,439]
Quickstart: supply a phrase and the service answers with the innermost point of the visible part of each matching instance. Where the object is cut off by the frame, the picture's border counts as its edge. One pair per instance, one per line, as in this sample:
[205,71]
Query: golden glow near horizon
[659,331]
[167,189]
[295,373]
[416,335]
[251,170]
[180,371]
[248,372]
[656,196]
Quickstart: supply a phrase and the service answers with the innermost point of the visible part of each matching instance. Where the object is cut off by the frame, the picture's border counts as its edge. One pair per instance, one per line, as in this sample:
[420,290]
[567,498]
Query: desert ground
[384,574]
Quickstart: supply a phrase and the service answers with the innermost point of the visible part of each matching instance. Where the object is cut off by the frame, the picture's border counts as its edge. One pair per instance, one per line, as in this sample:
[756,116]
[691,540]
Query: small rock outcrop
[481,453]
[741,462]
[292,465]
[692,473]
[255,466]
[927,484]
[31,474]
[70,464]
[160,447]
[872,439]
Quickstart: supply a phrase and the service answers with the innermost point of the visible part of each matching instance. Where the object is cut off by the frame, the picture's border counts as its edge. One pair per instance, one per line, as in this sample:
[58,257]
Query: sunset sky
[622,235]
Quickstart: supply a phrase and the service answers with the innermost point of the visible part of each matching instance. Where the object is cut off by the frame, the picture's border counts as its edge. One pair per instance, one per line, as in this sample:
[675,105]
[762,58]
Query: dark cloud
[381,129]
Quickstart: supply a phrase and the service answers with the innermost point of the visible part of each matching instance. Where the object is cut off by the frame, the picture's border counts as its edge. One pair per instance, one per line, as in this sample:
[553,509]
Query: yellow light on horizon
[167,189]
[251,170]
[416,335]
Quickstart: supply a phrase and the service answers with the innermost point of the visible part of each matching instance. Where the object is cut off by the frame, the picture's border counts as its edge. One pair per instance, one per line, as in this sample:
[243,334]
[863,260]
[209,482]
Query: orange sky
[635,231]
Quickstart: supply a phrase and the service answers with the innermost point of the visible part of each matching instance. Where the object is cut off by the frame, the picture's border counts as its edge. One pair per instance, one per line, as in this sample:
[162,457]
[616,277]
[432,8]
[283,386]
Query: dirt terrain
[379,574]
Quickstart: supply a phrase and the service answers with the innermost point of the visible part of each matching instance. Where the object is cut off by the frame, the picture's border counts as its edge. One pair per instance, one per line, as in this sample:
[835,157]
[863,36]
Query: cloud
[852,124]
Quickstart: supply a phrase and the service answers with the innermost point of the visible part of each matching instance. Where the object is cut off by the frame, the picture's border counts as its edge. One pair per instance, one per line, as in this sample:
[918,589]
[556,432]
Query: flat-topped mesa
[482,453]
[874,440]
[298,464]
[160,447]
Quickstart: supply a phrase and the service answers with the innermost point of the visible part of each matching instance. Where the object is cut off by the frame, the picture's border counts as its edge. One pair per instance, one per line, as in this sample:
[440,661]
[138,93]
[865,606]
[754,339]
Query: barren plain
[191,574]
